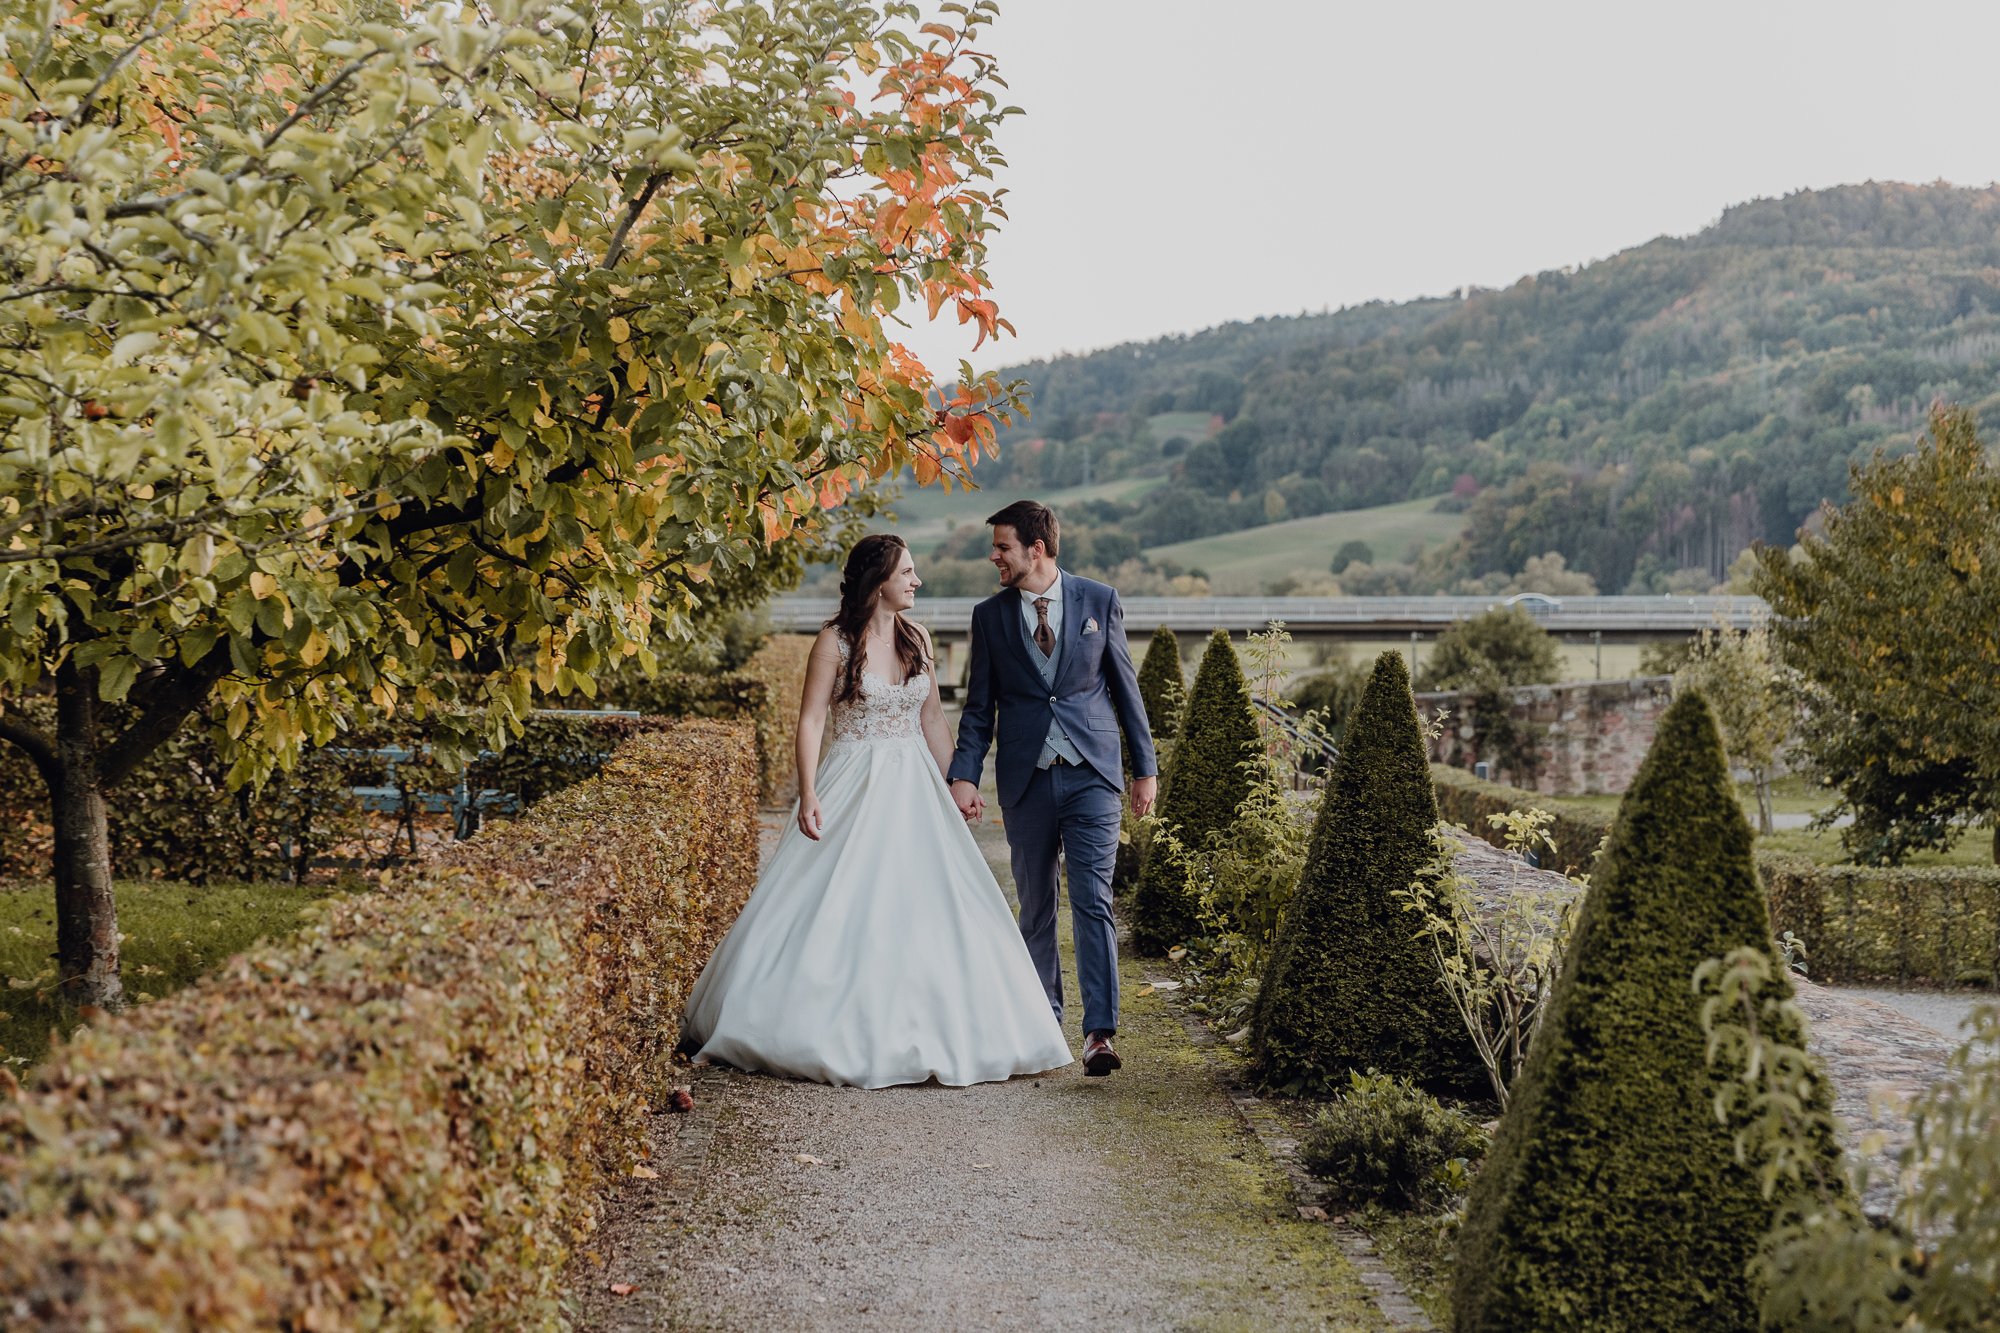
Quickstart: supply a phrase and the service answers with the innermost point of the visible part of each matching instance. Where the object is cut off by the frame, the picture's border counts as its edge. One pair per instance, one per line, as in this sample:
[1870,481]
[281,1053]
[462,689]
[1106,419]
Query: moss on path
[1136,1201]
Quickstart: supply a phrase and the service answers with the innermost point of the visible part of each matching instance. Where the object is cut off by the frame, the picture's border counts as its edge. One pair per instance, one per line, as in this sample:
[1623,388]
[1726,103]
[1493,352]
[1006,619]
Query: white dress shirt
[1055,596]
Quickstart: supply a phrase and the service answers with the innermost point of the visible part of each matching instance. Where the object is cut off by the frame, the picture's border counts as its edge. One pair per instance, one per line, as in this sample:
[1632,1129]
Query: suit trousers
[1073,812]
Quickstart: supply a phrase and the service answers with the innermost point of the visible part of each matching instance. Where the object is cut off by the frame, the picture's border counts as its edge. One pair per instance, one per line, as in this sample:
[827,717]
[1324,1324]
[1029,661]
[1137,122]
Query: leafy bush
[1613,1197]
[1823,1265]
[1498,960]
[1206,780]
[1386,1141]
[404,1116]
[1242,878]
[1351,986]
[1334,691]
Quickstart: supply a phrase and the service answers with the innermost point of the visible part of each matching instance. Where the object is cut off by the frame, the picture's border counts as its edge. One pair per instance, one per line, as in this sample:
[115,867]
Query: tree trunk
[86,911]
[1762,778]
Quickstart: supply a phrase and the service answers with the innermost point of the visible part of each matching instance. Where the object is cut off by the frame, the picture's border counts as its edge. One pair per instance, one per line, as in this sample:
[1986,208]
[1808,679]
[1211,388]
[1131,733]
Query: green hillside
[1245,562]
[1646,416]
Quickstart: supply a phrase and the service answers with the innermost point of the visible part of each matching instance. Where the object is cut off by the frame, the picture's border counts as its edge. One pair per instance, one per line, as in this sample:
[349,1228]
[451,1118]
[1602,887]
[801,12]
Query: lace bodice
[883,712]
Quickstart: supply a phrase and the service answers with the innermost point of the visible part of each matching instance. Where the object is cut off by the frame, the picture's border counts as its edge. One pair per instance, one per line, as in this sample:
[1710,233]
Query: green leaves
[411,354]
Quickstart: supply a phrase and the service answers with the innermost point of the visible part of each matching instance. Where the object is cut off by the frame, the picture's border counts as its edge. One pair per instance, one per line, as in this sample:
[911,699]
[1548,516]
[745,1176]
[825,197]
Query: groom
[1049,655]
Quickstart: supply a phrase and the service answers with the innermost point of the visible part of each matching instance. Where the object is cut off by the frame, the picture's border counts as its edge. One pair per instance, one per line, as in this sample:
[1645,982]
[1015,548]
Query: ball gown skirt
[885,952]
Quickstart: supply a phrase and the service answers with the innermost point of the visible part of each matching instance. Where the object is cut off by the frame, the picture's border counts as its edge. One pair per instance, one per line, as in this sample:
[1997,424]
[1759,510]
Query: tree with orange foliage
[347,341]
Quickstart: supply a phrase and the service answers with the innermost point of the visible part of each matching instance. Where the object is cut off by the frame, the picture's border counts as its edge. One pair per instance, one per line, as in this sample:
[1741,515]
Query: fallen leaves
[640,1171]
[622,1288]
[680,1101]
[807,1159]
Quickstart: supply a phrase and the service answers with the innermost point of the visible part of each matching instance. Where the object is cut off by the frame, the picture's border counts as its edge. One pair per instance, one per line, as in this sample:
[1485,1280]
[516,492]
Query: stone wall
[1587,737]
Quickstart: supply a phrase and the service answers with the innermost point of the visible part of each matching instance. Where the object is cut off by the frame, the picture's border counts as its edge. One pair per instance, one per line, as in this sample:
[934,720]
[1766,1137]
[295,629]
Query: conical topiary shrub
[1612,1198]
[1204,784]
[1163,692]
[1350,985]
[1161,687]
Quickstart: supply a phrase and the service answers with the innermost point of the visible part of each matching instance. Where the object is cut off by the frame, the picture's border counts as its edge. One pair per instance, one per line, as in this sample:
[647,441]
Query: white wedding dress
[884,953]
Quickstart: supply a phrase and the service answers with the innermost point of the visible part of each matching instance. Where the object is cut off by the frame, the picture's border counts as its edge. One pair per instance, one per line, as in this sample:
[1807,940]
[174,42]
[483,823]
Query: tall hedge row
[1612,1197]
[1204,783]
[1350,986]
[404,1116]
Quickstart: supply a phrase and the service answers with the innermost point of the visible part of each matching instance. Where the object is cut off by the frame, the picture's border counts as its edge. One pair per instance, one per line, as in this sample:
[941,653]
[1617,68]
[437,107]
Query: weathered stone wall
[1586,736]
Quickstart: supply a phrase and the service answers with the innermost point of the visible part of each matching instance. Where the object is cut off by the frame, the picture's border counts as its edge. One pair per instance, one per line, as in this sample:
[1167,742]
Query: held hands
[968,800]
[811,823]
[1144,792]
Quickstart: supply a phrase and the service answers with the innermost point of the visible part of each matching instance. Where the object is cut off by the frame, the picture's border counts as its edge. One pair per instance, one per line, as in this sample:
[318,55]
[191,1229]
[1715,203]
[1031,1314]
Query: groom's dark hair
[1032,522]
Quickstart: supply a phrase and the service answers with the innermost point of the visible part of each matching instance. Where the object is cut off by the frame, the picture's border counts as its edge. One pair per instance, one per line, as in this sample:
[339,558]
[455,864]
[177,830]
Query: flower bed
[404,1115]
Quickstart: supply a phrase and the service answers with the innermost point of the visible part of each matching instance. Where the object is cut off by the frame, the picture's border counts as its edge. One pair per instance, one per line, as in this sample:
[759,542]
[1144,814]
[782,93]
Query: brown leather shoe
[1099,1058]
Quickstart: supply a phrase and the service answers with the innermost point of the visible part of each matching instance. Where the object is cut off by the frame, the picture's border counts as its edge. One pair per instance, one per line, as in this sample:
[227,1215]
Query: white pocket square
[1090,627]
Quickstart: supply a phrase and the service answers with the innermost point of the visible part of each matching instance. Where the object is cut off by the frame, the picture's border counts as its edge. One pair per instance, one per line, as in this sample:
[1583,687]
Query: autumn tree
[358,358]
[1891,617]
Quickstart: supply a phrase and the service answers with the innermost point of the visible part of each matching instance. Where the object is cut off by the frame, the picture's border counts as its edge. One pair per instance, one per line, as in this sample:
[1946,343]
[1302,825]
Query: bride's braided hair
[869,565]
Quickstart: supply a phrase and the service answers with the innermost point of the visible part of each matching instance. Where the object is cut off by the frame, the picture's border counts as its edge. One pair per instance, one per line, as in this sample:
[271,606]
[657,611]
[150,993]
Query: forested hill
[1646,416]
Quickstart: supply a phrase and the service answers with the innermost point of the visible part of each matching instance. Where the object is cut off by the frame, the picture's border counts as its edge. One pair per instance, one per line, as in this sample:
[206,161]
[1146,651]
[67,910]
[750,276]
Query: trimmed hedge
[1935,925]
[1351,987]
[1162,688]
[1613,1197]
[1204,783]
[1465,800]
[781,666]
[404,1116]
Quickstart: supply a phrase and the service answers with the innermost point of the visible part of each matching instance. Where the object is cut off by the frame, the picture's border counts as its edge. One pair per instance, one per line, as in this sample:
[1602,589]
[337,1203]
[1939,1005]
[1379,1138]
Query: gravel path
[1137,1201]
[1942,1011]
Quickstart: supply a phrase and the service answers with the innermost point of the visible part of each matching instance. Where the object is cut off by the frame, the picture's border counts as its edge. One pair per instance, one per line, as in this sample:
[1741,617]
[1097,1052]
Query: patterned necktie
[1045,638]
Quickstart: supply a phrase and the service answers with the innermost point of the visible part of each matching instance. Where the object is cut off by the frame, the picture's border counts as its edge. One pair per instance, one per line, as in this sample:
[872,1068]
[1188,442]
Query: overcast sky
[1182,164]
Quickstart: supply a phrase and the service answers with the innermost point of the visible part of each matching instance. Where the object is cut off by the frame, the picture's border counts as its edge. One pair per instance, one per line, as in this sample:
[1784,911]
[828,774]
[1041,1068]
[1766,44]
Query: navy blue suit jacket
[1096,691]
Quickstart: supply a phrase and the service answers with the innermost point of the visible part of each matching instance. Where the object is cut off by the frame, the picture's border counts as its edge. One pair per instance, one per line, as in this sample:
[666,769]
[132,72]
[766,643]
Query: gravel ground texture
[1059,1202]
[1940,1010]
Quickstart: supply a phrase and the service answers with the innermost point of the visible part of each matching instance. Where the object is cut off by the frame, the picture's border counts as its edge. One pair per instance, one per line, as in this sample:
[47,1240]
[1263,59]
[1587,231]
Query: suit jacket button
[1052,698]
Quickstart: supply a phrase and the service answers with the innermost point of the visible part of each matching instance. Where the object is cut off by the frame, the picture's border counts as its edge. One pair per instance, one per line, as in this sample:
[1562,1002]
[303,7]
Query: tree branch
[181,690]
[35,745]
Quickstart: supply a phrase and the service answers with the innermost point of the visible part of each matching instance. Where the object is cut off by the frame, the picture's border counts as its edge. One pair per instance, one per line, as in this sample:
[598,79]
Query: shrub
[780,665]
[1613,1197]
[1351,986]
[1935,1261]
[1205,782]
[1385,1141]
[1936,925]
[1336,691]
[1161,687]
[405,1116]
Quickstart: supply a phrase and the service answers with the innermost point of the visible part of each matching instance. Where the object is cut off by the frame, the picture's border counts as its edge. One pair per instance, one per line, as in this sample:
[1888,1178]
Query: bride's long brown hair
[870,564]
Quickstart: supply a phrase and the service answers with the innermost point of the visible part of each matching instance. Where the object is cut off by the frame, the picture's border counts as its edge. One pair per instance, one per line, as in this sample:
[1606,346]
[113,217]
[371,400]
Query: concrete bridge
[1420,619]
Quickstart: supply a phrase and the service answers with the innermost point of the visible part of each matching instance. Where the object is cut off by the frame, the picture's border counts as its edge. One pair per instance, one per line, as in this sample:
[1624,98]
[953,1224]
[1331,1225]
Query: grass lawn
[174,933]
[1242,562]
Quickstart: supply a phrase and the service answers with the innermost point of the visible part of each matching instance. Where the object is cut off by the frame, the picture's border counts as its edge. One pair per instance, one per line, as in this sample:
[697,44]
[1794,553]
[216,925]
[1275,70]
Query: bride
[877,948]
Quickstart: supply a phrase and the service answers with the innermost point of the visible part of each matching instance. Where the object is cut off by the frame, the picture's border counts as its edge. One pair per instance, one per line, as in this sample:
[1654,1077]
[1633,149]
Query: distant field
[1241,562]
[924,516]
[1190,426]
